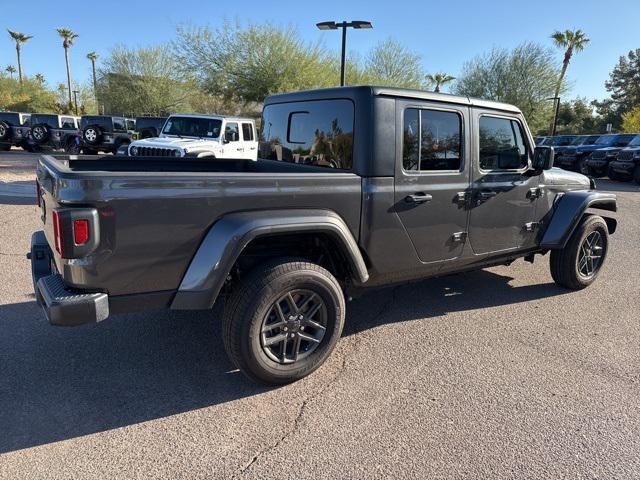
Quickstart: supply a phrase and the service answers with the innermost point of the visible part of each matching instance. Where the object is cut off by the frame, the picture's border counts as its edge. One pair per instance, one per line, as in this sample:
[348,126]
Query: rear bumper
[62,306]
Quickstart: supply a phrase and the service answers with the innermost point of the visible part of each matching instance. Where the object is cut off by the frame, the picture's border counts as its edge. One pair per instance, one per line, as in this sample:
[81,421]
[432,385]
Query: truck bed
[154,212]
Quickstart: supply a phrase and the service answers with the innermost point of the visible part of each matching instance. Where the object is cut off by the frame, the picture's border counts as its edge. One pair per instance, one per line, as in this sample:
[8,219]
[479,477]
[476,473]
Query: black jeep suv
[597,164]
[149,127]
[50,131]
[627,163]
[14,128]
[105,134]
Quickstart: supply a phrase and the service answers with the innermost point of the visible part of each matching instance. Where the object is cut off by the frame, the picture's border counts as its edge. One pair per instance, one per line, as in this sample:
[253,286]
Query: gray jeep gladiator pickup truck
[356,187]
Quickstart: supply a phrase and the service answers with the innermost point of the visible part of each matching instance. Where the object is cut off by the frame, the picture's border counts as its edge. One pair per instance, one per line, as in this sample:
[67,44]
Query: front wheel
[283,321]
[578,264]
[636,174]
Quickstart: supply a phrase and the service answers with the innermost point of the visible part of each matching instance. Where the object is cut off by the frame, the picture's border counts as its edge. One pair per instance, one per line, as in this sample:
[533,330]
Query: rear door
[504,193]
[432,177]
[250,141]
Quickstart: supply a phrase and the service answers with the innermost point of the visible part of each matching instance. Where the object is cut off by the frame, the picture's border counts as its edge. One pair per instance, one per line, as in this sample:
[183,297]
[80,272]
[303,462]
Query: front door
[432,178]
[504,192]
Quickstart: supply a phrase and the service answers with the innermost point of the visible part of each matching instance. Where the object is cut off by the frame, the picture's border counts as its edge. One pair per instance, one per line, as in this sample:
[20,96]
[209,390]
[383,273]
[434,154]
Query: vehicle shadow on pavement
[60,383]
[439,296]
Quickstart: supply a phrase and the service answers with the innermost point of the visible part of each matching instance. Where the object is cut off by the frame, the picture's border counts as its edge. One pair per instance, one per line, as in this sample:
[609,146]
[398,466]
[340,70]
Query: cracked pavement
[491,374]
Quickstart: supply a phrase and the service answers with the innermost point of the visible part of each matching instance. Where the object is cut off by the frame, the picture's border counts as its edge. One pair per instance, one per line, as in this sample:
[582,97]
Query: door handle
[486,195]
[418,198]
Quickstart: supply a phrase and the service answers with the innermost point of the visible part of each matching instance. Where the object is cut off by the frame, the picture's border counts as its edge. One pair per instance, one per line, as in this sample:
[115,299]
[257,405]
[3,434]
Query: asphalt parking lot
[491,374]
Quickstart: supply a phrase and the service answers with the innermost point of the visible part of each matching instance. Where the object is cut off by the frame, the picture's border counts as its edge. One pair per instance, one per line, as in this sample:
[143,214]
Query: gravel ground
[491,374]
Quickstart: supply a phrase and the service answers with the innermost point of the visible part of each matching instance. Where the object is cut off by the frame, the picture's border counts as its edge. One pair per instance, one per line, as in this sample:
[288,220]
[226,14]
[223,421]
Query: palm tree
[571,41]
[438,79]
[40,78]
[93,56]
[19,38]
[68,37]
[10,70]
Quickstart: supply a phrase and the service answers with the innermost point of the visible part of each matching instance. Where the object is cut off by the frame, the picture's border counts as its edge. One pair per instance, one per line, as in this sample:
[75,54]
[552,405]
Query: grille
[625,156]
[155,152]
[599,154]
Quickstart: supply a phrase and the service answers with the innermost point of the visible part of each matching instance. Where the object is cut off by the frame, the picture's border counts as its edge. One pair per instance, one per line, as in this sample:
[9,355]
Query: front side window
[231,132]
[502,145]
[131,124]
[431,140]
[119,125]
[247,132]
[318,133]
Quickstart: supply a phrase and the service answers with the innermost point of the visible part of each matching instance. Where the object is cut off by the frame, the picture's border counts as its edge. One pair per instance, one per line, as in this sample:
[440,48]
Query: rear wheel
[283,321]
[578,264]
[72,147]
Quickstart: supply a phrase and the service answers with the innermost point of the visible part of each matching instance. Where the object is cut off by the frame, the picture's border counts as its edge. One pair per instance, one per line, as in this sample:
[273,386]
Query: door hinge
[459,237]
[534,193]
[531,226]
[461,198]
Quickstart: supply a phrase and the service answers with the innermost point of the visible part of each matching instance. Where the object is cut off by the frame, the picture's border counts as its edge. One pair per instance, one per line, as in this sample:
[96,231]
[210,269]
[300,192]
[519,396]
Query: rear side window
[318,133]
[431,140]
[247,132]
[501,144]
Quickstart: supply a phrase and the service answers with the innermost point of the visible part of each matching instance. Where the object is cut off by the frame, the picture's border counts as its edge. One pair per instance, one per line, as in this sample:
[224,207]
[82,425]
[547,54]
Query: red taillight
[57,233]
[39,192]
[80,231]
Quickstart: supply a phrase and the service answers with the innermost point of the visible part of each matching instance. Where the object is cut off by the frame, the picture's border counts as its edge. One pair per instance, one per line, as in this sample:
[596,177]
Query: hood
[557,176]
[176,142]
[589,148]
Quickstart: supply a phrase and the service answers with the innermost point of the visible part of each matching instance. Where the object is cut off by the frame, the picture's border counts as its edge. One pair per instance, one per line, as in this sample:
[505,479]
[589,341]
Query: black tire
[5,131]
[92,134]
[40,133]
[612,174]
[72,146]
[582,167]
[251,306]
[5,147]
[636,174]
[565,267]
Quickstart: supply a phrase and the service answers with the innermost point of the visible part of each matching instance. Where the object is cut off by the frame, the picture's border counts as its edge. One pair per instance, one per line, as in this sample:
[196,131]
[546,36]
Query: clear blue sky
[445,33]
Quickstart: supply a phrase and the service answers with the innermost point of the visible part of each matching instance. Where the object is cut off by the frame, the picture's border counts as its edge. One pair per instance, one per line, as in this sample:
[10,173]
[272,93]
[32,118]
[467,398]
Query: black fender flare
[227,238]
[568,211]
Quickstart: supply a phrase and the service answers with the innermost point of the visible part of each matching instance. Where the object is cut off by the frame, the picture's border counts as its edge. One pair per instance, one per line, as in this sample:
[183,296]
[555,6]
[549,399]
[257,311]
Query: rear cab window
[49,120]
[317,132]
[501,144]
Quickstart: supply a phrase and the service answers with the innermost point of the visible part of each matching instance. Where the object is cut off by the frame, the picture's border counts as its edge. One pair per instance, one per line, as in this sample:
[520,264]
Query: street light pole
[344,25]
[556,104]
[75,98]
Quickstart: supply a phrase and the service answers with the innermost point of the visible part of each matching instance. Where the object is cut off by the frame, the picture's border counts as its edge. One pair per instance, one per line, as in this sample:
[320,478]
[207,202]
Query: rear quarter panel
[152,223]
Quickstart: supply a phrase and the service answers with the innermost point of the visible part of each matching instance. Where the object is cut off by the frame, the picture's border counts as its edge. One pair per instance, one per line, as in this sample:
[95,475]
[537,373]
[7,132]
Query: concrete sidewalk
[23,189]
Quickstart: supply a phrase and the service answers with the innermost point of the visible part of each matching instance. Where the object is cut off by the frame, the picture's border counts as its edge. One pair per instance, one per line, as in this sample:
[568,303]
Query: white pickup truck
[201,136]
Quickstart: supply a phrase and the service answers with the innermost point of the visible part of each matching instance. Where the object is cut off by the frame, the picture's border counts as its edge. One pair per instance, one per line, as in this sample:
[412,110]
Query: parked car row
[88,134]
[615,155]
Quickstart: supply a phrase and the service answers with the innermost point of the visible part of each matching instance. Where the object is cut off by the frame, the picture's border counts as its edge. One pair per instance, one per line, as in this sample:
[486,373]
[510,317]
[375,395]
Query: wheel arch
[569,211]
[237,233]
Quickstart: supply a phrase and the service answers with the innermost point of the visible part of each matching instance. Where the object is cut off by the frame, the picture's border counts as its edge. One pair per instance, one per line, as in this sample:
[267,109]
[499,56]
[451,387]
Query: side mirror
[543,158]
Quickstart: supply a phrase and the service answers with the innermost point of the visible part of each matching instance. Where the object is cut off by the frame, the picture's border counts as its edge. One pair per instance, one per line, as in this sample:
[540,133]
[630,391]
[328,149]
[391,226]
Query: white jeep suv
[201,136]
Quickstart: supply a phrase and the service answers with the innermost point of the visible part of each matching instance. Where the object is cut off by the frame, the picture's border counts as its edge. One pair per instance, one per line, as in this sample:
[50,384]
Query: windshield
[604,140]
[623,140]
[578,140]
[193,127]
[635,142]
